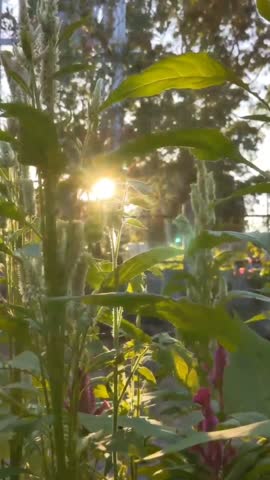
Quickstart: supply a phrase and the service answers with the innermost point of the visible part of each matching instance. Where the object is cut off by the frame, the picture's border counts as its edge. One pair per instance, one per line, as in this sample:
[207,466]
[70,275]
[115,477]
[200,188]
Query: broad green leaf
[208,143]
[199,320]
[38,143]
[73,68]
[189,71]
[70,29]
[27,361]
[10,210]
[260,239]
[143,426]
[258,118]
[138,264]
[147,374]
[257,189]
[263,7]
[254,430]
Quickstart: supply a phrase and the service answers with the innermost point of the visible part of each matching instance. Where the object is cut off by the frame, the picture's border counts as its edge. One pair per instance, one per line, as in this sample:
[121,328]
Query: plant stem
[56,316]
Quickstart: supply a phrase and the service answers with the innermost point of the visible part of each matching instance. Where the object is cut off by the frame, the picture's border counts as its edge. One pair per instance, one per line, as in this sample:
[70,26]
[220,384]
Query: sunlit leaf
[147,374]
[189,71]
[138,264]
[135,223]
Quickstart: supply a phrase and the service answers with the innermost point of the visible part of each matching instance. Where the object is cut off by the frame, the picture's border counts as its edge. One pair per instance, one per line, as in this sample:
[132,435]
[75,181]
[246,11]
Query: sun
[103,189]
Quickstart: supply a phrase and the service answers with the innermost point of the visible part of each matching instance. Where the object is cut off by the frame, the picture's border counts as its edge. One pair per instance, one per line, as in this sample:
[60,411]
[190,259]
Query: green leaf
[10,210]
[70,29]
[138,264]
[143,426]
[198,320]
[188,376]
[260,239]
[207,143]
[5,249]
[254,430]
[257,318]
[263,7]
[38,142]
[20,81]
[26,361]
[247,294]
[258,118]
[147,374]
[257,189]
[189,71]
[73,68]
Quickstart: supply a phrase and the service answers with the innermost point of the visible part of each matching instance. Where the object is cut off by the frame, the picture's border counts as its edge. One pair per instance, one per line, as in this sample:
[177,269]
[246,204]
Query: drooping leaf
[138,264]
[71,69]
[38,142]
[27,361]
[260,239]
[189,71]
[254,430]
[143,426]
[257,189]
[247,294]
[70,29]
[207,143]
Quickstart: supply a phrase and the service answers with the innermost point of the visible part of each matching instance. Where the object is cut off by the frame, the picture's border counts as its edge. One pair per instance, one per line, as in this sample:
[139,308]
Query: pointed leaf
[70,29]
[139,264]
[258,118]
[254,430]
[147,374]
[189,71]
[257,189]
[208,143]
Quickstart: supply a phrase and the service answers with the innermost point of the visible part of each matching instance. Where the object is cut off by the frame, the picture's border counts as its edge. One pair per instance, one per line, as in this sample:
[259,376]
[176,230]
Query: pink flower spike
[203,397]
[87,400]
[220,362]
[103,408]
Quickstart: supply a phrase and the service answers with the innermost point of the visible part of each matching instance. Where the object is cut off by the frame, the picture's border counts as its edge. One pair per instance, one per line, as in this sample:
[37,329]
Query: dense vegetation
[79,400]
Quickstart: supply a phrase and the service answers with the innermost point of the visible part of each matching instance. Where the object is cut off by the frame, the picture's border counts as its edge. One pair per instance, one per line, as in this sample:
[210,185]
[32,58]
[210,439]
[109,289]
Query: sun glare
[103,189]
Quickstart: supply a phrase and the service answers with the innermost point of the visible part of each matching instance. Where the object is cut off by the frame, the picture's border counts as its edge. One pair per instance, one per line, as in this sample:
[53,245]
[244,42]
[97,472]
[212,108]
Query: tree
[232,33]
